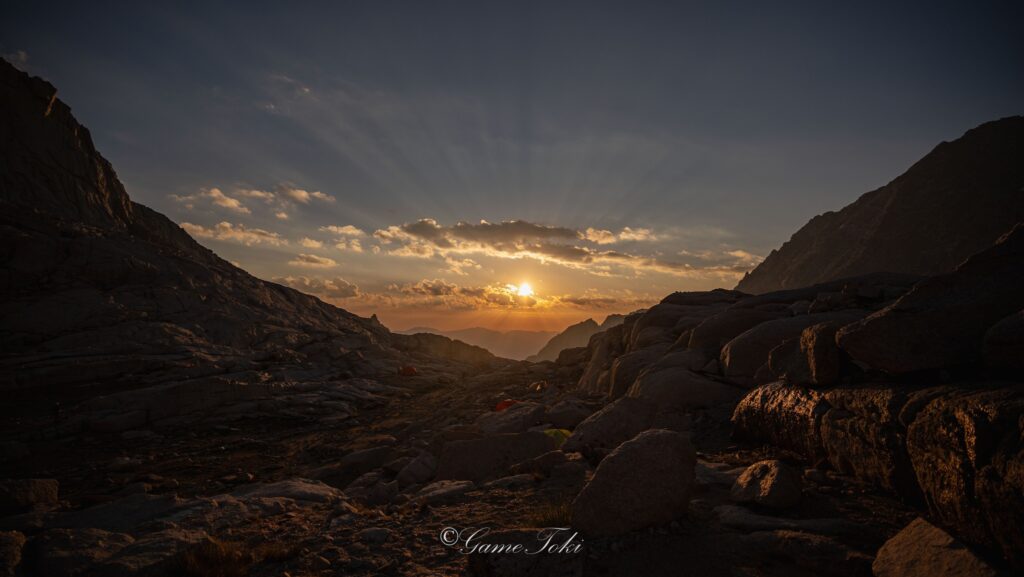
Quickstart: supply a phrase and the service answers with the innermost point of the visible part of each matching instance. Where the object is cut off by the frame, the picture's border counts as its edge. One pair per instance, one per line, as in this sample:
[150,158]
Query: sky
[426,161]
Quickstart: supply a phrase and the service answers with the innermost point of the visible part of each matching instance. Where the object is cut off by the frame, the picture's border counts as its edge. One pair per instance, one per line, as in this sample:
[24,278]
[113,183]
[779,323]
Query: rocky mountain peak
[48,163]
[952,203]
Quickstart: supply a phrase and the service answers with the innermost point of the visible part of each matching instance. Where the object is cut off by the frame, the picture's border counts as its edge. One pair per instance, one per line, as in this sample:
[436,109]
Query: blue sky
[715,130]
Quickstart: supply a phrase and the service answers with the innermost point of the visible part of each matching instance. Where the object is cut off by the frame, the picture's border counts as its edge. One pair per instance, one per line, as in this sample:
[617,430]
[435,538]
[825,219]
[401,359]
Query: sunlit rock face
[952,203]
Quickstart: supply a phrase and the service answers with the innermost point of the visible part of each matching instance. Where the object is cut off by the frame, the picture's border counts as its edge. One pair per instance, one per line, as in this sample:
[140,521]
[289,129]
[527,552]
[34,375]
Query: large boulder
[567,413]
[627,367]
[942,321]
[606,429]
[818,346]
[967,450]
[769,483]
[602,350]
[742,356]
[786,416]
[715,331]
[646,481]
[864,435]
[923,550]
[680,390]
[490,457]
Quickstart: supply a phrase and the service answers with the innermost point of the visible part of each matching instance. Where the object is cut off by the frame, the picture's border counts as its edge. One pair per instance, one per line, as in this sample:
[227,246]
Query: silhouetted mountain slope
[99,291]
[577,335]
[952,203]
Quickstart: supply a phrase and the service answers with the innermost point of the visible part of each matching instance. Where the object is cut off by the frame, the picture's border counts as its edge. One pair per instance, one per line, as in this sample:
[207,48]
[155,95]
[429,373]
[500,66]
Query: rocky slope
[103,293]
[952,203]
[577,335]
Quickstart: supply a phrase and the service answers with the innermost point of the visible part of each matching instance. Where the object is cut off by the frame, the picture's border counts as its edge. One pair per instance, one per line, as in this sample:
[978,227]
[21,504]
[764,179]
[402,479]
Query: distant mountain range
[577,335]
[533,346]
[952,203]
[508,344]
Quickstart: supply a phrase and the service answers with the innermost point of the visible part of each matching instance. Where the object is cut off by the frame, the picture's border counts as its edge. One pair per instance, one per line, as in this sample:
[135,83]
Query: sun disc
[524,290]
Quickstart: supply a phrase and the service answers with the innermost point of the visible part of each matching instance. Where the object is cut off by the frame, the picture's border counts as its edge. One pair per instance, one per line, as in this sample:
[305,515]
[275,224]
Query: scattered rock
[770,483]
[511,481]
[541,465]
[419,470]
[296,489]
[153,554]
[515,419]
[443,491]
[71,552]
[645,481]
[923,550]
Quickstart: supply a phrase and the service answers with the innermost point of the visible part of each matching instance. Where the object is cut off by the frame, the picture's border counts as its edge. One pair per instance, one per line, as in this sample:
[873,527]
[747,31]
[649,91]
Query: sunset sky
[424,160]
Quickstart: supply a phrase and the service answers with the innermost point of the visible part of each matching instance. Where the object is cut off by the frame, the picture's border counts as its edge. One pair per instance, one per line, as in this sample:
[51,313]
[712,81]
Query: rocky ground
[690,466]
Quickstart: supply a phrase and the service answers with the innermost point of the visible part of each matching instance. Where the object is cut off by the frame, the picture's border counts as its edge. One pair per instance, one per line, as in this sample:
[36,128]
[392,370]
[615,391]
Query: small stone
[374,535]
[769,483]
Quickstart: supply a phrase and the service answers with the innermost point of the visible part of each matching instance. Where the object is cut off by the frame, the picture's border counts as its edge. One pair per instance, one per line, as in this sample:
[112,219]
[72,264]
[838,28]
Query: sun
[524,290]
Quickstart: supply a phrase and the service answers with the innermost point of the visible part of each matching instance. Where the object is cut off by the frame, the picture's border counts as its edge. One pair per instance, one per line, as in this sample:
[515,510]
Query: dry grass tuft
[552,515]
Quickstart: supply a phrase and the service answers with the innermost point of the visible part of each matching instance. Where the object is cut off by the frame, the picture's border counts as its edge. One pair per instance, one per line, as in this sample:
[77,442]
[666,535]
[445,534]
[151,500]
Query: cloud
[460,267]
[225,231]
[215,196]
[347,230]
[517,239]
[351,245]
[436,287]
[335,288]
[600,236]
[281,215]
[304,196]
[637,234]
[311,243]
[312,261]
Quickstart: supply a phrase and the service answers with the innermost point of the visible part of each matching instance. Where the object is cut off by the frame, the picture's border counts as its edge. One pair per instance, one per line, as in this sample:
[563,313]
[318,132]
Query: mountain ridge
[971,190]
